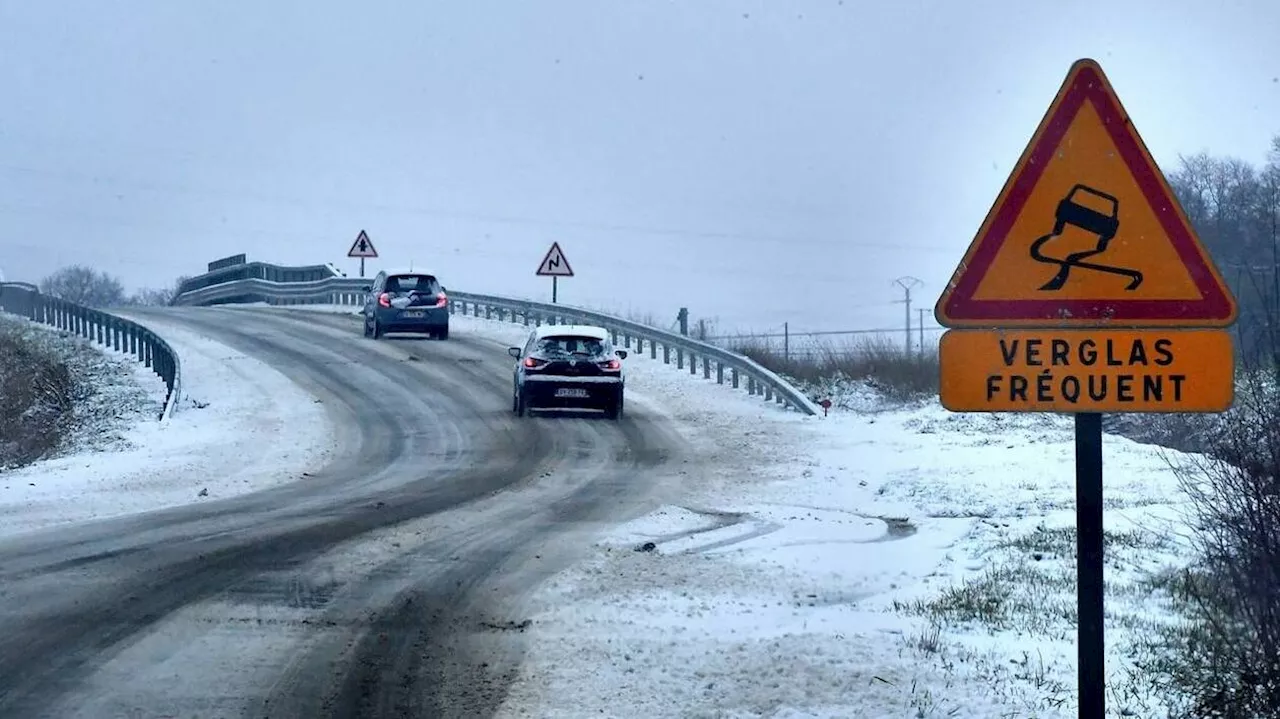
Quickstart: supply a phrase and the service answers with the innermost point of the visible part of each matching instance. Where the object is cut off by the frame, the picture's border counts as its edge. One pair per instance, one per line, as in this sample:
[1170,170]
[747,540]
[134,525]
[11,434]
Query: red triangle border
[1215,307]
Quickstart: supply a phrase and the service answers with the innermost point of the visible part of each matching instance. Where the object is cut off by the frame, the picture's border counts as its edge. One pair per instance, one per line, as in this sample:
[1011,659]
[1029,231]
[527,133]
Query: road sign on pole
[555,266]
[1087,291]
[362,248]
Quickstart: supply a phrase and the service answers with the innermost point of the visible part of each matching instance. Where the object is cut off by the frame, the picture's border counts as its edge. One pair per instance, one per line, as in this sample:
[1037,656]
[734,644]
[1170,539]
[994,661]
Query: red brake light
[531,362]
[612,365]
[384,299]
[441,299]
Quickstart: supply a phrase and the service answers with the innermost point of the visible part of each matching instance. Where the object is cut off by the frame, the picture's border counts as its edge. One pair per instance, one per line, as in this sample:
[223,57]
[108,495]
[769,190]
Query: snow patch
[223,441]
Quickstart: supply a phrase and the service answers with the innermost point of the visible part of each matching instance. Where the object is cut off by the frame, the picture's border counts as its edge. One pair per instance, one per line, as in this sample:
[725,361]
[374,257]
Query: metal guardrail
[724,365]
[118,333]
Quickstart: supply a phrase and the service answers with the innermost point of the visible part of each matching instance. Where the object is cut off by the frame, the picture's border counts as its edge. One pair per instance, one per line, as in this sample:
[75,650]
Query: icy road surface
[385,583]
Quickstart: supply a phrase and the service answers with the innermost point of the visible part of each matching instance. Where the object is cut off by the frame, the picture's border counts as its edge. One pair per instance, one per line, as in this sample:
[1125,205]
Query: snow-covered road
[378,584]
[222,442]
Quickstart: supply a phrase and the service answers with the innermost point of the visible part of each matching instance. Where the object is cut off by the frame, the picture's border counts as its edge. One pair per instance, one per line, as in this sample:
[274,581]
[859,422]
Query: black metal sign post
[1090,636]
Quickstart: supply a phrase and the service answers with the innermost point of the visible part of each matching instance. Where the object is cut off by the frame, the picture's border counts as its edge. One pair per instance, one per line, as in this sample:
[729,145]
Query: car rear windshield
[565,345]
[426,284]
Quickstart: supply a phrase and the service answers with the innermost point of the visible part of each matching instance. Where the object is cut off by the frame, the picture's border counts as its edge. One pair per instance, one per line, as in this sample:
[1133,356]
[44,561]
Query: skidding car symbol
[1104,225]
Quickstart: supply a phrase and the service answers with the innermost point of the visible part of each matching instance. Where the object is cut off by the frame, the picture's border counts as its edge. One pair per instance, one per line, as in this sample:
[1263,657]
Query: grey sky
[763,162]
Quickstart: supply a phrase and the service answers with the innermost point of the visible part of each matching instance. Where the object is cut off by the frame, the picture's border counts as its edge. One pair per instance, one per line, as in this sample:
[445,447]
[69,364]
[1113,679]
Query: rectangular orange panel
[1087,370]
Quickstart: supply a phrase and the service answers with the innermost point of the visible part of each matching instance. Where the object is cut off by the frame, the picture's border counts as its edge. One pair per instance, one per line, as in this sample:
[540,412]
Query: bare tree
[84,286]
[151,297]
[1225,660]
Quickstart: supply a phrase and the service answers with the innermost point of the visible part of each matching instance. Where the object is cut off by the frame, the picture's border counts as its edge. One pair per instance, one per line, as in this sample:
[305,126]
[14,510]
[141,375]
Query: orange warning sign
[1086,232]
[1047,370]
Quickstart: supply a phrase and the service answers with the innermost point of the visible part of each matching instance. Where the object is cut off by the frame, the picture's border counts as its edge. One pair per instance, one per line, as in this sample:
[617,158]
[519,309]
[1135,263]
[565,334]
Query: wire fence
[819,344]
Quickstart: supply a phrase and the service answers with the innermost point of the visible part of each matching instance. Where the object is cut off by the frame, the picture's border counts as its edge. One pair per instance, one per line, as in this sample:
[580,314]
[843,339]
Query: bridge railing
[686,353]
[104,328]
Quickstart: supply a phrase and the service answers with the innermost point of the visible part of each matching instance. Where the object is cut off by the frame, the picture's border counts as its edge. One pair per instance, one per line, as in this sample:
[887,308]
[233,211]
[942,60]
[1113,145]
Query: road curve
[389,584]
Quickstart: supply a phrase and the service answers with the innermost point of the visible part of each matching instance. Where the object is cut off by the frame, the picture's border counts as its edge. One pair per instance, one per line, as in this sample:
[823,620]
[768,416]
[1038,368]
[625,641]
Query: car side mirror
[622,354]
[514,352]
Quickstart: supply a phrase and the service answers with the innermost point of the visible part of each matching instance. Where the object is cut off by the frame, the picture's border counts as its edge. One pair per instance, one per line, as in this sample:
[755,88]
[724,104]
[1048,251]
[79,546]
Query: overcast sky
[759,162]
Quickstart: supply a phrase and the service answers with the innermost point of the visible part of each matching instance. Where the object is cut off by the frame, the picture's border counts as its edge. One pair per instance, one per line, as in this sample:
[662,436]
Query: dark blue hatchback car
[406,301]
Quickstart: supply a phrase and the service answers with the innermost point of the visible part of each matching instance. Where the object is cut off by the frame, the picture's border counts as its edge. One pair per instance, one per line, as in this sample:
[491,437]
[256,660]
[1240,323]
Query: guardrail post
[706,368]
[735,377]
[614,335]
[719,373]
[115,334]
[679,358]
[666,354]
[148,360]
[693,363]
[132,335]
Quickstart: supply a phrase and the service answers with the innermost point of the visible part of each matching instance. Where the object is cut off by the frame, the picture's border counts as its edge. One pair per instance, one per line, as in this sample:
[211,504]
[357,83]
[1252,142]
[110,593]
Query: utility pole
[907,283]
[922,310]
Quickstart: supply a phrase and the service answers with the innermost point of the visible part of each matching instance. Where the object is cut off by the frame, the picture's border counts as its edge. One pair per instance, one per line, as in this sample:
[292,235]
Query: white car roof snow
[406,271]
[599,333]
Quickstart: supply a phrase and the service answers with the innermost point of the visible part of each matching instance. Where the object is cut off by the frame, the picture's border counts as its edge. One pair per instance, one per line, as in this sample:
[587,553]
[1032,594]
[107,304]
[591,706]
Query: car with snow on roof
[568,367]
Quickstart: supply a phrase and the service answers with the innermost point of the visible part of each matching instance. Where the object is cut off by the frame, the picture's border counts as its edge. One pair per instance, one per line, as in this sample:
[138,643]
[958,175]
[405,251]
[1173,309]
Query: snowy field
[880,562]
[212,447]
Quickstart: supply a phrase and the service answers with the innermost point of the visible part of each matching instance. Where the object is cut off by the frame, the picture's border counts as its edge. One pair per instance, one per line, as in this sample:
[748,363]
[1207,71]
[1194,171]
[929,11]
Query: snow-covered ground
[214,446]
[875,563]
[900,562]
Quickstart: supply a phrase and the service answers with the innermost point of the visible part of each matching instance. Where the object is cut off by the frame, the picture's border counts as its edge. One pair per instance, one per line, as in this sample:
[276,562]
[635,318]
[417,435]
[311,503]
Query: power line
[464,215]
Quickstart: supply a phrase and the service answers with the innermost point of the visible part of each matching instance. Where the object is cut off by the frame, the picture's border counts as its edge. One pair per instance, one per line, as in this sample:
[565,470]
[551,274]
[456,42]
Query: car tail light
[534,362]
[442,300]
[384,299]
[612,365]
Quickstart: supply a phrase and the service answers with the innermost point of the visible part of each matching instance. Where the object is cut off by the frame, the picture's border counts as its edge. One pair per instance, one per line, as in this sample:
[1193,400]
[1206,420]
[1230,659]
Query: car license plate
[571,392]
[414,313]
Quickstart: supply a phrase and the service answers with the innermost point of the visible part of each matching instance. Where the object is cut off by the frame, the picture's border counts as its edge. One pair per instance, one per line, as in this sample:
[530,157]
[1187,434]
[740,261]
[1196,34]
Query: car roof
[405,271]
[599,333]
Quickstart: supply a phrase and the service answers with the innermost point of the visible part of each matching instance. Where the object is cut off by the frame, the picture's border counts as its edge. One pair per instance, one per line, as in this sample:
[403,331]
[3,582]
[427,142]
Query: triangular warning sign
[362,247]
[1086,232]
[555,264]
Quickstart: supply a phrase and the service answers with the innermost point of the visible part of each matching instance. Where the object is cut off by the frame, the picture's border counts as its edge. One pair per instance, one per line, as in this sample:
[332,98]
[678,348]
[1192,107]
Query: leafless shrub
[37,392]
[1226,658]
[877,360]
